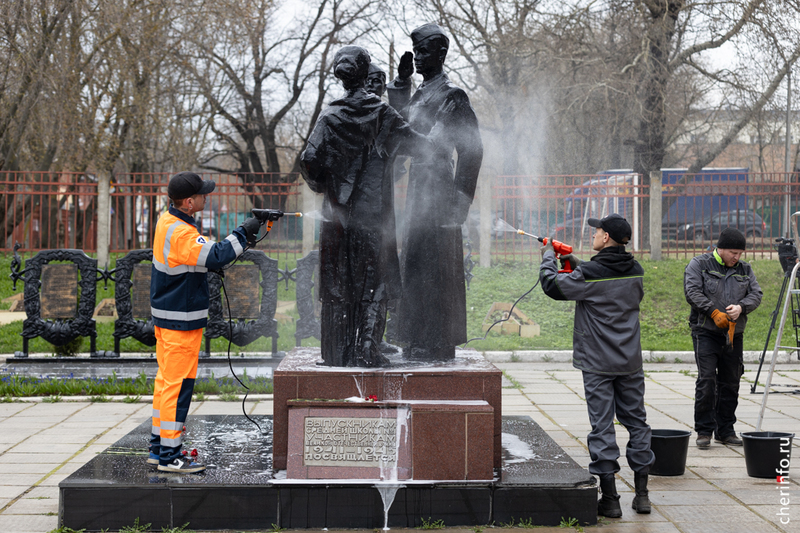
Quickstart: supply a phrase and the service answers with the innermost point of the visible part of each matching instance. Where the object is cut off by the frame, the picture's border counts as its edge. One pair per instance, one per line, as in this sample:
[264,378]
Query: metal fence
[47,210]
[695,208]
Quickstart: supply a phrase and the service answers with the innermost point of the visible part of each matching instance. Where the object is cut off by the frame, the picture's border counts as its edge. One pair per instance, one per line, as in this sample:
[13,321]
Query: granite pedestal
[537,481]
[468,377]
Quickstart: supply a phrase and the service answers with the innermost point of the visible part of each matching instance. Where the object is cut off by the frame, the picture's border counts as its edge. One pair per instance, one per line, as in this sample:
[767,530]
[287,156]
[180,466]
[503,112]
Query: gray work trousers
[623,396]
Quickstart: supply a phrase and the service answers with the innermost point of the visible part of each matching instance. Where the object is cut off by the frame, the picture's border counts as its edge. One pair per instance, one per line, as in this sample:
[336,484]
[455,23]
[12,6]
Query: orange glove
[720,318]
[731,331]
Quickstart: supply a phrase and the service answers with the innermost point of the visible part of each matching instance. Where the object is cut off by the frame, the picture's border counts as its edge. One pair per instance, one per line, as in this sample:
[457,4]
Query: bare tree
[255,77]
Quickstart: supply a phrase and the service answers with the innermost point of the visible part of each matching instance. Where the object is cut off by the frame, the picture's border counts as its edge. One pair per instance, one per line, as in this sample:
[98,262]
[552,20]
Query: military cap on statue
[375,69]
[427,31]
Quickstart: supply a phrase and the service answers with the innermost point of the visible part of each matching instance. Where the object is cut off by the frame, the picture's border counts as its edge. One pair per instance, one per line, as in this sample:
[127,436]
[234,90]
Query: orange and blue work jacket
[181,259]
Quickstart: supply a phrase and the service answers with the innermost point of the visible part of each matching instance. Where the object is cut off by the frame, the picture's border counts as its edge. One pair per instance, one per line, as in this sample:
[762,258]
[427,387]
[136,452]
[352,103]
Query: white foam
[518,449]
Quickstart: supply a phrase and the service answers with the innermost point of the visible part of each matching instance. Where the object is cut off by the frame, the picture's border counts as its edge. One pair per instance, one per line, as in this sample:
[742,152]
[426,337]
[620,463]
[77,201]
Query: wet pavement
[41,444]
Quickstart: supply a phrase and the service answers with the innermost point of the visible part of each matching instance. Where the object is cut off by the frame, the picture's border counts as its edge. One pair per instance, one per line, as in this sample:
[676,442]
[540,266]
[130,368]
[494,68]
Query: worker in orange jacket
[179,306]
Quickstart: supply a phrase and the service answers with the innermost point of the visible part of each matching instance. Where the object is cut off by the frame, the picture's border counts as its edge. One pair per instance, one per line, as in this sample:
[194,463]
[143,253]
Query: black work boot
[641,502]
[608,504]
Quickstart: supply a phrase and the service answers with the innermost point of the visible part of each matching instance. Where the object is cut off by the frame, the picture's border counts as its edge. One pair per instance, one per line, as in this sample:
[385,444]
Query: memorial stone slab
[59,292]
[140,292]
[241,287]
[348,443]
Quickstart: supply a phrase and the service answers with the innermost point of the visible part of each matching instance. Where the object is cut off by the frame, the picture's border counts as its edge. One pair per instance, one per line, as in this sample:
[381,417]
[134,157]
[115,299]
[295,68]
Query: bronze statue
[432,311]
[348,159]
[376,80]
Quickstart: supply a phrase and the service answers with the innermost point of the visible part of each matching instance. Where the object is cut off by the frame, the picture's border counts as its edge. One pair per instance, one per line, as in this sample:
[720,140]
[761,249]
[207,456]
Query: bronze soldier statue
[432,311]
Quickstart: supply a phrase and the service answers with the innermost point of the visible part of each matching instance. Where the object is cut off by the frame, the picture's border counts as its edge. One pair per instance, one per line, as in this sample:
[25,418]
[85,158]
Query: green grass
[99,389]
[664,311]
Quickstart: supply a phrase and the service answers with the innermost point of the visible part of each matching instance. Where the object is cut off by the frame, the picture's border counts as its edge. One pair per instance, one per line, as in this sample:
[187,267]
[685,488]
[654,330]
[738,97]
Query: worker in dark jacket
[606,347]
[179,305]
[722,291]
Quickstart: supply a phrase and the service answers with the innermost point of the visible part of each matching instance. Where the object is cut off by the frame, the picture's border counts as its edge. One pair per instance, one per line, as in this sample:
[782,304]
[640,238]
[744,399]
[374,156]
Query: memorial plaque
[334,441]
[140,291]
[242,287]
[59,293]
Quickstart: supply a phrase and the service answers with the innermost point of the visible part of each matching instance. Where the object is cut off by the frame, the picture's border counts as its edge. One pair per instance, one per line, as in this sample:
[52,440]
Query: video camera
[787,253]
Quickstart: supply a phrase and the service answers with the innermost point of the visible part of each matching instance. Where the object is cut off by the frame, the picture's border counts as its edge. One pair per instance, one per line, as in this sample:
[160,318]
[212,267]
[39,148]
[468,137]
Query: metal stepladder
[787,253]
[792,296]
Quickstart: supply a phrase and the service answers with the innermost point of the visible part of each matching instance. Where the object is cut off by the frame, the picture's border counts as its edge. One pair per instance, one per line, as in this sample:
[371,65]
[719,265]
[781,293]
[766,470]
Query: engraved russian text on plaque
[140,290]
[242,288]
[332,441]
[59,293]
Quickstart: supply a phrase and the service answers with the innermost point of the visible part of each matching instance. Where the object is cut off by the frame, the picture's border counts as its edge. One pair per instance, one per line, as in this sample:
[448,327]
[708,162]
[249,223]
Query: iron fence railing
[51,210]
[48,210]
[694,210]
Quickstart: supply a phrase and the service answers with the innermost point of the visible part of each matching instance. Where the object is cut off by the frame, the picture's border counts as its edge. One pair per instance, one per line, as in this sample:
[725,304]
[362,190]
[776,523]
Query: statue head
[376,80]
[351,65]
[430,49]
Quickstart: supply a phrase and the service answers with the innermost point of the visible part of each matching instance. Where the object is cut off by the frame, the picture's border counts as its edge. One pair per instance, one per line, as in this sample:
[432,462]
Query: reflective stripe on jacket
[606,337]
[181,258]
[708,284]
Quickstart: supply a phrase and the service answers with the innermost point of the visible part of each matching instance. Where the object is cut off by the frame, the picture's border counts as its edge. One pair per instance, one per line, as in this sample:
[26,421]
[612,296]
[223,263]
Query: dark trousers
[719,369]
[623,396]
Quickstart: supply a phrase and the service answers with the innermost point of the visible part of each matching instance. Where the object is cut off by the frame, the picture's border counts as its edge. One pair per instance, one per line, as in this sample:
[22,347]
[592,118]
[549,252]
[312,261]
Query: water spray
[560,249]
[268,217]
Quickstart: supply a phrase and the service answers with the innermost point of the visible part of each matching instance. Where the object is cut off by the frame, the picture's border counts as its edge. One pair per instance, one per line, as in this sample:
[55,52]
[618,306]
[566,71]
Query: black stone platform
[538,482]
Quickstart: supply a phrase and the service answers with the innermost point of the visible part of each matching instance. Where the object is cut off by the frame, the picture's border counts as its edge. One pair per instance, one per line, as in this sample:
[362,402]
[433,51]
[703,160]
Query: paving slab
[50,434]
[13,523]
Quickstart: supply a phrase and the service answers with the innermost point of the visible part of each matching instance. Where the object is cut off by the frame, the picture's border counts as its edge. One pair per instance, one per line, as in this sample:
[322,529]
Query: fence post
[655,215]
[308,199]
[485,229]
[103,218]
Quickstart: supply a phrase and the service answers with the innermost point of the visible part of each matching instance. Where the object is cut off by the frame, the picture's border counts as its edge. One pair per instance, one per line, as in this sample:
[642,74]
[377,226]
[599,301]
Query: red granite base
[468,377]
[446,440]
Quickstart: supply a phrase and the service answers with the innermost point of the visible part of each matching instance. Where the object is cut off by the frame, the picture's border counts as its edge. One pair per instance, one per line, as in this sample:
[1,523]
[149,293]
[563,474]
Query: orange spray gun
[558,247]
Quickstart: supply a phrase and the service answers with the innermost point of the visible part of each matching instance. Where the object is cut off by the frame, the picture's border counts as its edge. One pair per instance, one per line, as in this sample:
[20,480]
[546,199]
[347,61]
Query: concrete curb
[649,356]
[511,356]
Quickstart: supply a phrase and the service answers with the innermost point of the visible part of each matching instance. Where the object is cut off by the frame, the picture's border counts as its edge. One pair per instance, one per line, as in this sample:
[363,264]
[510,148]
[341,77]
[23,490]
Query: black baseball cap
[615,225]
[185,184]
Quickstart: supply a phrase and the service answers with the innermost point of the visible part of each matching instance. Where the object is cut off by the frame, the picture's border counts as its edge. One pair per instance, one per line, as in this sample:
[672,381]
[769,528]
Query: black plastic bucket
[670,447]
[767,454]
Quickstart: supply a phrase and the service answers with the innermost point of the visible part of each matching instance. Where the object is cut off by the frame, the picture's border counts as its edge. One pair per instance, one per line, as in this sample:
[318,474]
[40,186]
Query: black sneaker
[152,459]
[182,466]
[730,440]
[703,441]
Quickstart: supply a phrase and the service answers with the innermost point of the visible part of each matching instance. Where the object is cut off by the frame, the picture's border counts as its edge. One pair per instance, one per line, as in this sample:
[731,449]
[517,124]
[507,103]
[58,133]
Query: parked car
[746,221]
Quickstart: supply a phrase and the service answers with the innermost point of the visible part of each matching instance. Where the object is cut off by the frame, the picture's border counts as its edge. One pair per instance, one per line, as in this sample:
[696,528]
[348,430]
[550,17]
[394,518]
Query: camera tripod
[787,253]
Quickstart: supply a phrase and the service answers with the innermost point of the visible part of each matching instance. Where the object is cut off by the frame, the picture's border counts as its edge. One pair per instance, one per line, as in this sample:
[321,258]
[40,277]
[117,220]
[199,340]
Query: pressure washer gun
[269,216]
[559,248]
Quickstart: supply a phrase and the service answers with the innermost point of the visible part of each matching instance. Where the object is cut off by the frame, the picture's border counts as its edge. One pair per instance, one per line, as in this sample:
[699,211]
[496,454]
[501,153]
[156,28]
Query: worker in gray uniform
[722,290]
[607,348]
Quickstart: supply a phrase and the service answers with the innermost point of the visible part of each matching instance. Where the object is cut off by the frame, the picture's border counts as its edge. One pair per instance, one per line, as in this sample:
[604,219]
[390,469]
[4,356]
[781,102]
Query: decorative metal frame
[469,264]
[62,330]
[242,332]
[125,325]
[308,325]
